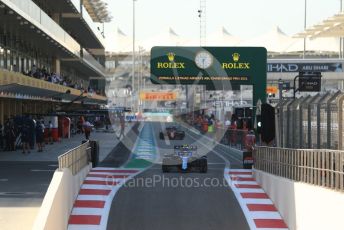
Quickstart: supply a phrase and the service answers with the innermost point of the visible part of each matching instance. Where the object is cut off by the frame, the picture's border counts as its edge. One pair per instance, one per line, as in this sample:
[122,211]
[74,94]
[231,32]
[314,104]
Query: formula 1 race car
[173,132]
[185,158]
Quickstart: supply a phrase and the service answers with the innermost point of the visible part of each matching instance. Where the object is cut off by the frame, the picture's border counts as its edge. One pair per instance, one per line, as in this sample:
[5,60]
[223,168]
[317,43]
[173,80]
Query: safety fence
[321,167]
[311,122]
[76,159]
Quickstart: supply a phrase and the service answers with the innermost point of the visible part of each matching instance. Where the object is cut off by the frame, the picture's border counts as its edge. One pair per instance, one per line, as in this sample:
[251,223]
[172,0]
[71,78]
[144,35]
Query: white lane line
[265,215]
[240,170]
[94,186]
[87,211]
[105,179]
[242,176]
[92,197]
[105,168]
[84,227]
[42,170]
[244,182]
[3,180]
[109,173]
[250,190]
[257,201]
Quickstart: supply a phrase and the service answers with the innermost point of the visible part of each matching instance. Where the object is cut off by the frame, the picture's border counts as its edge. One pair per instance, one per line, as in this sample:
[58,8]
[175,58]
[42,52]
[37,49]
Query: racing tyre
[204,166]
[165,168]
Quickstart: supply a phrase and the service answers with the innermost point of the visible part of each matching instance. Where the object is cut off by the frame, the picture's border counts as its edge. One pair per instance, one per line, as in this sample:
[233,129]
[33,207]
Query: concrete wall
[304,206]
[59,199]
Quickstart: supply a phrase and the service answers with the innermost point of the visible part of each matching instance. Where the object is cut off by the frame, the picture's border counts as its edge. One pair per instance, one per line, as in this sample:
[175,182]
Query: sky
[243,18]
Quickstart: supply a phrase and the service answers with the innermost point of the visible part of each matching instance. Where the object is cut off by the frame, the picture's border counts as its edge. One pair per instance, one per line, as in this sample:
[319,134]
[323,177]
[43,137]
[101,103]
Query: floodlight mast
[202,14]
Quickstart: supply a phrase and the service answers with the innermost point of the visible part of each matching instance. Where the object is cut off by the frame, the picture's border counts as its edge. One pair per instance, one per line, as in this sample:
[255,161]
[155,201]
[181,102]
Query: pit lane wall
[303,206]
[58,201]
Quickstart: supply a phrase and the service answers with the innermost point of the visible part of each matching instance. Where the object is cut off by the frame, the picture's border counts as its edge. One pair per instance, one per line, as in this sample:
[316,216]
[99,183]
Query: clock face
[203,60]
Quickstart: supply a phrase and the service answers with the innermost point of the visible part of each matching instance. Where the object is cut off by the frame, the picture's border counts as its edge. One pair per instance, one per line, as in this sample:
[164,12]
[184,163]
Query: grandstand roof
[98,11]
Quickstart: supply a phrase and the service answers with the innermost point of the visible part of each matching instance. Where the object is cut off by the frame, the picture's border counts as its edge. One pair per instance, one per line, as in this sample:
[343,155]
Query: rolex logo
[171,56]
[236,57]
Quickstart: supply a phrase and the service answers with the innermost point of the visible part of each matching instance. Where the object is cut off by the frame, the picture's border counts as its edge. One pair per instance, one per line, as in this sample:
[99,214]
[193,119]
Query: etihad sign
[158,96]
[236,64]
[171,64]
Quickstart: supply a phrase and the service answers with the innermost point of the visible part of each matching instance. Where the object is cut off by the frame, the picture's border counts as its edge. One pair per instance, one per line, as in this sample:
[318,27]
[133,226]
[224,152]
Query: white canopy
[314,45]
[221,37]
[119,42]
[166,37]
[274,41]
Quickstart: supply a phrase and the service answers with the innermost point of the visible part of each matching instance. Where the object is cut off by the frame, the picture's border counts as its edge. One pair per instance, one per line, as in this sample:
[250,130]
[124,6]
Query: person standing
[25,138]
[122,124]
[87,129]
[218,130]
[32,130]
[39,135]
[12,135]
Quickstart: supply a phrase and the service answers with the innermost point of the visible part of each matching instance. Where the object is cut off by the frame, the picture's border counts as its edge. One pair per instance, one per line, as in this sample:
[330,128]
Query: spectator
[10,135]
[87,128]
[25,136]
[218,130]
[33,70]
[32,129]
[40,135]
[227,123]
[122,124]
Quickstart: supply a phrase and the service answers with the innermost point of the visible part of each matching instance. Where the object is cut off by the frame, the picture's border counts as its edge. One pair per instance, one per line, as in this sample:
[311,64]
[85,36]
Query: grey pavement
[24,179]
[107,141]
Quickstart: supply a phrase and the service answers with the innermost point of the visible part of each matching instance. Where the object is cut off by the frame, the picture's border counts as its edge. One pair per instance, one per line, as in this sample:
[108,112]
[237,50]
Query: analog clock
[203,60]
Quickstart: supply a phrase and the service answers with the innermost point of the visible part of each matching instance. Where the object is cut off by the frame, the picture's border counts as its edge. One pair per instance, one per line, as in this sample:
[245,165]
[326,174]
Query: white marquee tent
[275,41]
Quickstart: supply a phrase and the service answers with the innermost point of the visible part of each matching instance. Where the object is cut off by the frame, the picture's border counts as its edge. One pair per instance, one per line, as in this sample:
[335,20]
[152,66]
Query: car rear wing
[185,147]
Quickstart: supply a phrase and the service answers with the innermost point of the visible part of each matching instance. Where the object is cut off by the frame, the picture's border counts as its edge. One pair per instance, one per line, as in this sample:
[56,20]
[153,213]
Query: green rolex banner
[216,67]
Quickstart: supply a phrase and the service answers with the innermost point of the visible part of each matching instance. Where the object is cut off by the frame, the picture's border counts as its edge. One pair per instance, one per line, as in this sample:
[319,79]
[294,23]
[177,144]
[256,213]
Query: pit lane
[180,207]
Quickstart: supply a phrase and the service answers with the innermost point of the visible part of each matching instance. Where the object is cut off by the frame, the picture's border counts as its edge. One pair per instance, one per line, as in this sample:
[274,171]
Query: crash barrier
[311,122]
[59,199]
[75,159]
[317,167]
[303,206]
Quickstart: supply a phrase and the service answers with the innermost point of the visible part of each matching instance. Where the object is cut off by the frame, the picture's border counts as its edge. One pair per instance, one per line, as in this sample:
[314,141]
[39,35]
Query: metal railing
[75,159]
[87,57]
[321,167]
[93,26]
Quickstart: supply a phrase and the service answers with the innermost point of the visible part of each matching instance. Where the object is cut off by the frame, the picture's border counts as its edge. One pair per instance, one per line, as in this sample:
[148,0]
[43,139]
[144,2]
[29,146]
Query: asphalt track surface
[179,201]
